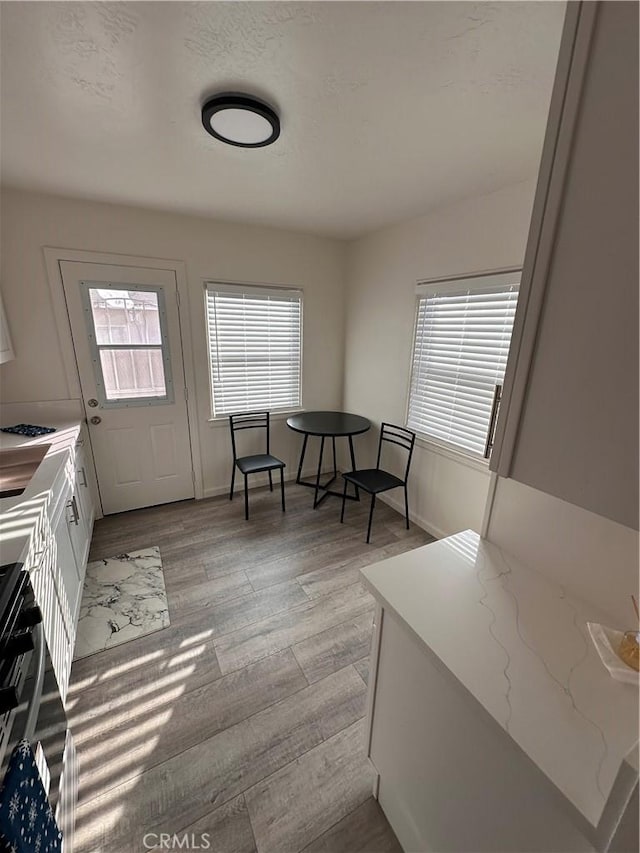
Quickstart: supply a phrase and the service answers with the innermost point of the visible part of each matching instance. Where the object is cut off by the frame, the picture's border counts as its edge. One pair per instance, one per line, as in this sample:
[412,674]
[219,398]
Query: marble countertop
[520,646]
[19,515]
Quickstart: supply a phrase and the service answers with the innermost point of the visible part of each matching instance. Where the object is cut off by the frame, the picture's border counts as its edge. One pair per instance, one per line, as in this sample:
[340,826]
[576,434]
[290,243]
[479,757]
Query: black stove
[18,616]
[30,703]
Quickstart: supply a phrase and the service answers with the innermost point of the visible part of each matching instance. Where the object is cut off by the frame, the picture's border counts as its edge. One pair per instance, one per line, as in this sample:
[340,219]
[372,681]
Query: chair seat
[373,480]
[258,462]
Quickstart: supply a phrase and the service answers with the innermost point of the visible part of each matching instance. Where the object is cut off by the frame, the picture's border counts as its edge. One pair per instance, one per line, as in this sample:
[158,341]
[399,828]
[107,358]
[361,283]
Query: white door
[126,335]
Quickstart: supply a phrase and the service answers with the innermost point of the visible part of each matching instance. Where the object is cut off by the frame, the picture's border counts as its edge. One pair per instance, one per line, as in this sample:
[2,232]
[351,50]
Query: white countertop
[20,514]
[520,646]
[63,434]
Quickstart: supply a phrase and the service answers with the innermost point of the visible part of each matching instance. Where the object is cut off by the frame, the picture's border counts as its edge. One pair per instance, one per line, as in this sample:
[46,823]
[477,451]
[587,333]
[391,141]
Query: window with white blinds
[462,338]
[255,345]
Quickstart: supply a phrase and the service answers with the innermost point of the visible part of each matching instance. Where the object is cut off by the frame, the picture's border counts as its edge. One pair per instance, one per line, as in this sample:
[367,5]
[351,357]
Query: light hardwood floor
[244,718]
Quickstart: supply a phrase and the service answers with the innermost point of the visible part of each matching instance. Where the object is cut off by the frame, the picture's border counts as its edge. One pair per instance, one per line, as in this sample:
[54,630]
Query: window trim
[425,288]
[450,451]
[232,287]
[95,347]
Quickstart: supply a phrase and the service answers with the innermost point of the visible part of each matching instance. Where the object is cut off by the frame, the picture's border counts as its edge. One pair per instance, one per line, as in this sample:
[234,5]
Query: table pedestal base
[323,488]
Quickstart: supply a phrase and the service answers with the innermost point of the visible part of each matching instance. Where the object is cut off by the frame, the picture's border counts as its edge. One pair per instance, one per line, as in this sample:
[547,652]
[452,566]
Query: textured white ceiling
[388,109]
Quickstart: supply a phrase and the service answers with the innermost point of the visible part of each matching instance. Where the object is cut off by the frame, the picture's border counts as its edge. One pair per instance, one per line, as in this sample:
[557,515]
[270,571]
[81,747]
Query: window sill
[450,453]
[223,420]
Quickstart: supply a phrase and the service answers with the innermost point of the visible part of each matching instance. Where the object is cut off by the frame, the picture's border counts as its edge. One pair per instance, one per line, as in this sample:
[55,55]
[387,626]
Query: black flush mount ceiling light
[240,120]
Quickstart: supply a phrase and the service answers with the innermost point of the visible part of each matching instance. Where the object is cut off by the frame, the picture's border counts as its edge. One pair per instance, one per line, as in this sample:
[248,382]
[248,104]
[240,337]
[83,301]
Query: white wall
[484,233]
[211,249]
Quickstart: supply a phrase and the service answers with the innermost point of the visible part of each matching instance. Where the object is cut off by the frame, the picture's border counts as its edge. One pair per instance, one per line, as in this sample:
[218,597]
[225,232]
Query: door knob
[96,420]
[92,402]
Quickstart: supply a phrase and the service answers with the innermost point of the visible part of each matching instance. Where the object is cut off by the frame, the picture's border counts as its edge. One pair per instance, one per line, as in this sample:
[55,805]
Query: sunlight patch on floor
[196,638]
[159,689]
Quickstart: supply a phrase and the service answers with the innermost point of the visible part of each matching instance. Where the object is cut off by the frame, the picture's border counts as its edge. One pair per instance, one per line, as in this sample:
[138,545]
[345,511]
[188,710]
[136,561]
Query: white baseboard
[426,525]
[259,482]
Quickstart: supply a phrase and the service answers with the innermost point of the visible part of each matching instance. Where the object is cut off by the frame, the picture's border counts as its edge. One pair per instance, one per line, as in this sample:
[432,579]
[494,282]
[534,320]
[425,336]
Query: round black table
[327,425]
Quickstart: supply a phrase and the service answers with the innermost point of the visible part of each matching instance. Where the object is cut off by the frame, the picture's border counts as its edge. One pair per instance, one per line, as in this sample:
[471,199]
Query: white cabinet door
[84,499]
[72,536]
[78,532]
[55,624]
[6,349]
[66,575]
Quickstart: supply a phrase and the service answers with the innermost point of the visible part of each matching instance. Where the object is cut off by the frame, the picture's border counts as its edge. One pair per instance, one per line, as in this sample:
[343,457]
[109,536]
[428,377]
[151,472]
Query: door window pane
[125,316]
[128,337]
[132,373]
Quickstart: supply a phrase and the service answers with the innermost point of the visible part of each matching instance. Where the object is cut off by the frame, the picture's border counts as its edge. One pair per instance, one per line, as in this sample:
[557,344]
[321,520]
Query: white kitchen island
[493,725]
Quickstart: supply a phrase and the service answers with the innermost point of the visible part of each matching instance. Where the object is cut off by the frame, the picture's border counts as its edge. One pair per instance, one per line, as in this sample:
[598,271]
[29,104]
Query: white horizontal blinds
[254,345]
[463,332]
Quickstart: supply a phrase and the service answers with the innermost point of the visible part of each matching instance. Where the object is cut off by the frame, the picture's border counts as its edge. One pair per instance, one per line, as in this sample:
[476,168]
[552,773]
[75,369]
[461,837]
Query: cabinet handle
[497,396]
[75,518]
[84,476]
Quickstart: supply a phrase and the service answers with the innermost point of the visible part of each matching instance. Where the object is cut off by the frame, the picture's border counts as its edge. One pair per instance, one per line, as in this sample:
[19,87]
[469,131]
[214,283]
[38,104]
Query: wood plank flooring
[244,719]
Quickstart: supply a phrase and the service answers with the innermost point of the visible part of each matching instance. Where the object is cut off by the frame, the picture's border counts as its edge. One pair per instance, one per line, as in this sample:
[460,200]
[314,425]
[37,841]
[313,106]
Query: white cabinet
[448,779]
[73,530]
[48,529]
[59,578]
[485,707]
[6,349]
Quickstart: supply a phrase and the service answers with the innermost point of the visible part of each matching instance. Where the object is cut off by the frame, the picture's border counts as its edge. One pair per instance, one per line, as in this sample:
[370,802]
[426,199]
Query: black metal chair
[258,462]
[376,480]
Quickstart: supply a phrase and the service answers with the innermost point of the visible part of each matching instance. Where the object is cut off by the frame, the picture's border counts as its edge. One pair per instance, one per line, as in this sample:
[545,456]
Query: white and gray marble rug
[124,598]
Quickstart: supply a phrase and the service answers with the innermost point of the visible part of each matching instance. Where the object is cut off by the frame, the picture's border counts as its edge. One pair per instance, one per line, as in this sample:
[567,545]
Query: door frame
[53,256]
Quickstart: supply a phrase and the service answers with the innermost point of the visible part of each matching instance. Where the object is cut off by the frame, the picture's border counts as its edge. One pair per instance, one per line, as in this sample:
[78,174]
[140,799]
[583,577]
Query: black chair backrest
[248,420]
[404,438]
